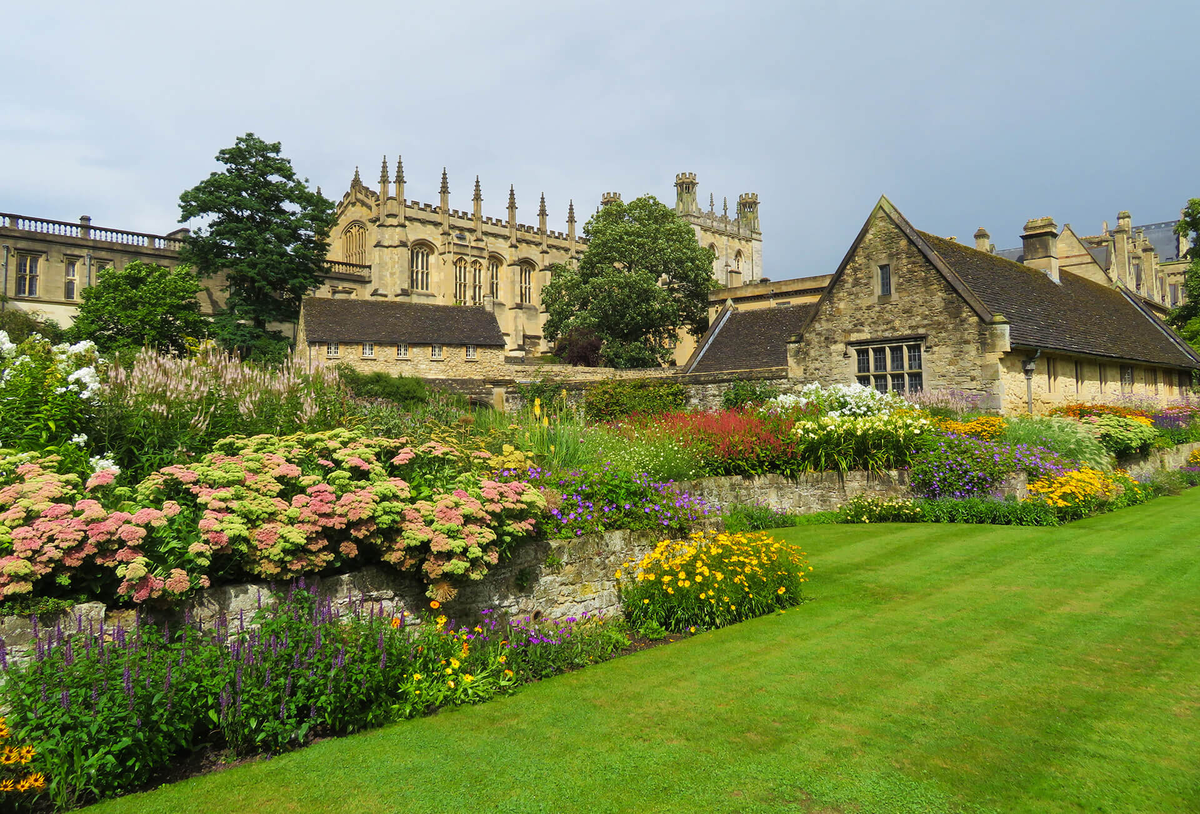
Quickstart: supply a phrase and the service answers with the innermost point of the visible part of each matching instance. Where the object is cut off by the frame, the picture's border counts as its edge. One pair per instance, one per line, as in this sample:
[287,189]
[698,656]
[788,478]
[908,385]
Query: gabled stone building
[907,310]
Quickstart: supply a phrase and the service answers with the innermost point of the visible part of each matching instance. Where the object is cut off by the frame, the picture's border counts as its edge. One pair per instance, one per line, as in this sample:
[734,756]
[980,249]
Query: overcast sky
[964,114]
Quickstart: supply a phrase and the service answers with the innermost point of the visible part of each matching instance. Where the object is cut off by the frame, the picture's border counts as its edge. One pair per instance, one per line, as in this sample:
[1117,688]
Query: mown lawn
[937,669]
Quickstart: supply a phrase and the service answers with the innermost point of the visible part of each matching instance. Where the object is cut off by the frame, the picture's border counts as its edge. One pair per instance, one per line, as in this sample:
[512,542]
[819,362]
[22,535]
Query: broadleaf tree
[642,279]
[141,305]
[1186,317]
[265,230]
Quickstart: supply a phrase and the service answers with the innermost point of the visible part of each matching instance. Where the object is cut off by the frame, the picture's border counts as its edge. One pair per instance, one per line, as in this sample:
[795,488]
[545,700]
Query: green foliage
[403,390]
[141,305]
[114,713]
[642,279]
[20,324]
[1068,438]
[46,607]
[265,230]
[867,509]
[1120,434]
[747,393]
[642,450]
[1186,317]
[753,517]
[47,396]
[614,399]
[549,392]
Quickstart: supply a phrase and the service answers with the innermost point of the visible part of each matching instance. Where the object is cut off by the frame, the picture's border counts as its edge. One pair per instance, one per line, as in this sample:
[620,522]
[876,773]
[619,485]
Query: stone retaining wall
[551,578]
[1144,467]
[809,492]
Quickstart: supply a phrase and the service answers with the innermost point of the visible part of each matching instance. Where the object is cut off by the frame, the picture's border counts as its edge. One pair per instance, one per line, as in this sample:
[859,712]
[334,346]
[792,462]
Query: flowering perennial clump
[134,700]
[712,579]
[987,427]
[960,466]
[1079,491]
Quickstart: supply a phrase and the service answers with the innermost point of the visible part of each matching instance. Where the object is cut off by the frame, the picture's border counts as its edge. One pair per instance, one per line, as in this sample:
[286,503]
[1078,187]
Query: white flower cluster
[901,427]
[7,346]
[99,464]
[86,382]
[838,400]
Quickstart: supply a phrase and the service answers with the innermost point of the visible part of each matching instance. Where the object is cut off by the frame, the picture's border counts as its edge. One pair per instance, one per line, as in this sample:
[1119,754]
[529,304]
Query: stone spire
[445,190]
[356,181]
[712,206]
[445,203]
[384,178]
[542,208]
[725,206]
[512,216]
[478,201]
[400,188]
[571,227]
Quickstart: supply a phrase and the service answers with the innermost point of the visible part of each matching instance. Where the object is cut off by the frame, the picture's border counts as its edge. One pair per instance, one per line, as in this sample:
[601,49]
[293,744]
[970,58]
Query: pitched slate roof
[1075,315]
[1162,237]
[330,320]
[749,340]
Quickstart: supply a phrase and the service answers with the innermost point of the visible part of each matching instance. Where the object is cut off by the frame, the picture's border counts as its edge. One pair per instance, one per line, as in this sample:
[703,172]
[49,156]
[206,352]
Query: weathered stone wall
[923,307]
[551,578]
[1144,466]
[703,391]
[488,363]
[810,492]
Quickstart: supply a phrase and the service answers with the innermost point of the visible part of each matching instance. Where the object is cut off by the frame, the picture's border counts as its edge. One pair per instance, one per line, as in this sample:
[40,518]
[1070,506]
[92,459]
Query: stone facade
[907,310]
[455,361]
[388,247]
[46,264]
[956,349]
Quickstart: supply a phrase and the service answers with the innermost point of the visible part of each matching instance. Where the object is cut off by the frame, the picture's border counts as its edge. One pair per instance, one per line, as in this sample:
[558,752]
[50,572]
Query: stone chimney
[983,240]
[1040,241]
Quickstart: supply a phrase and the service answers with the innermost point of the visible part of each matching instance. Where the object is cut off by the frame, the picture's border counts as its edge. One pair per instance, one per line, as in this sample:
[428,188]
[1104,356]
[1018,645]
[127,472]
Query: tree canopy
[1186,318]
[643,279]
[264,229]
[141,305]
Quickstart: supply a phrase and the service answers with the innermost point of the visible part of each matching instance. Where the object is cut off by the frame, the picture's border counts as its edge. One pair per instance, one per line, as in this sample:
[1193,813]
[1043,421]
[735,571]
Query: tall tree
[1186,318]
[141,305]
[642,279]
[265,230]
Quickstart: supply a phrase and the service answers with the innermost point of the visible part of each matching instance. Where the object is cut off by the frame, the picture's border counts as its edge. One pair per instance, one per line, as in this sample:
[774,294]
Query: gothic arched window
[419,268]
[526,289]
[494,264]
[460,280]
[476,282]
[354,244]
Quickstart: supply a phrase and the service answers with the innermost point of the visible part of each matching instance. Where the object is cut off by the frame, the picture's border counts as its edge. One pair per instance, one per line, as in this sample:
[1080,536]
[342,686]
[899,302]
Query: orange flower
[395,622]
[433,603]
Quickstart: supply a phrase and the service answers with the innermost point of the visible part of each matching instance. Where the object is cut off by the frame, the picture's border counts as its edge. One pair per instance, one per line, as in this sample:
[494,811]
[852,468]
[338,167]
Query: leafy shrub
[747,393]
[1190,475]
[753,517]
[1069,438]
[615,399]
[548,393]
[985,511]
[19,325]
[1122,435]
[402,390]
[115,709]
[958,466]
[711,580]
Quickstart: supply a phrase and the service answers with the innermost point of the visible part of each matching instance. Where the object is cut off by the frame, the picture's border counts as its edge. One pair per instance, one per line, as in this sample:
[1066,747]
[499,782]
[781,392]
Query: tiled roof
[1076,315]
[750,340]
[1163,238]
[330,320]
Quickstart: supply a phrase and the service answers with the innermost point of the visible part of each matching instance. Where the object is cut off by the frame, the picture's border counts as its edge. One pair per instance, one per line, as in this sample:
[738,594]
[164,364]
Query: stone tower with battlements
[736,242]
